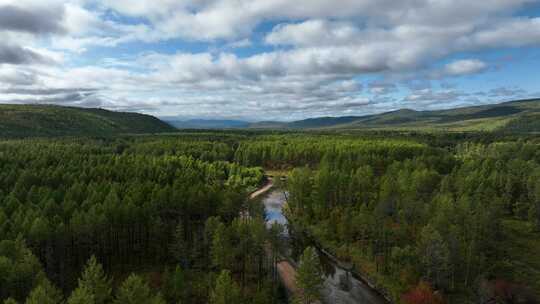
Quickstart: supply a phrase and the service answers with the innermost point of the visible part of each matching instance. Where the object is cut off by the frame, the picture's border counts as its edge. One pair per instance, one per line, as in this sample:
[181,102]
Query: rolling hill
[513,116]
[206,123]
[50,120]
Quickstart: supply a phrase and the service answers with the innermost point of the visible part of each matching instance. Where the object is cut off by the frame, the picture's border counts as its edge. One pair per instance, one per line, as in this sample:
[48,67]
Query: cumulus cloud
[314,32]
[36,21]
[409,45]
[13,54]
[15,76]
[320,59]
[430,96]
[511,32]
[211,19]
[464,67]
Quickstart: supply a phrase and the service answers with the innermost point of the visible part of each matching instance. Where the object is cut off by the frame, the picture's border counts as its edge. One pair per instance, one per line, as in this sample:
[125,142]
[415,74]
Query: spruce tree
[309,277]
[434,256]
[178,248]
[226,290]
[221,247]
[81,295]
[44,293]
[134,290]
[95,281]
[174,288]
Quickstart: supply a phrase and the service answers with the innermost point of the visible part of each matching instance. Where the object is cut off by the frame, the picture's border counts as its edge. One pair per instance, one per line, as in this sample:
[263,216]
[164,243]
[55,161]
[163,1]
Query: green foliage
[402,208]
[225,291]
[82,295]
[44,293]
[280,151]
[309,277]
[524,123]
[434,256]
[134,290]
[124,201]
[178,247]
[222,250]
[48,120]
[422,218]
[20,270]
[175,286]
[94,282]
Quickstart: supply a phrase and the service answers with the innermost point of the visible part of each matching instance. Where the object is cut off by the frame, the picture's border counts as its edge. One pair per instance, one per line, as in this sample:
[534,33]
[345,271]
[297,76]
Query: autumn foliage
[423,294]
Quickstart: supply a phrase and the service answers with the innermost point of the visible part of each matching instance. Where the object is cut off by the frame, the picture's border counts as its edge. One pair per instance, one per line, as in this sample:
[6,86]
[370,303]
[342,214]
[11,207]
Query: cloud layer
[259,59]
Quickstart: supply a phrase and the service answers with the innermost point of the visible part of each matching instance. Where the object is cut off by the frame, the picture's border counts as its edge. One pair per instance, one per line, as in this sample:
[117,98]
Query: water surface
[339,286]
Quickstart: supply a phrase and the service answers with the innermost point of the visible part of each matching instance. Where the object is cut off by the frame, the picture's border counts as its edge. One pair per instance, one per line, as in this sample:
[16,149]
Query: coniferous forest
[426,218]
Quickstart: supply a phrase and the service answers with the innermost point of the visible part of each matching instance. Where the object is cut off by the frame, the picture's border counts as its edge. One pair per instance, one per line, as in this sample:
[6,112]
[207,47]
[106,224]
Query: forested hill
[515,116]
[50,120]
[206,123]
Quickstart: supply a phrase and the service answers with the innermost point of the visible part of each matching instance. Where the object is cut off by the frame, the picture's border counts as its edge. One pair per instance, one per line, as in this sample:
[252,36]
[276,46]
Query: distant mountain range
[50,120]
[513,116]
[206,123]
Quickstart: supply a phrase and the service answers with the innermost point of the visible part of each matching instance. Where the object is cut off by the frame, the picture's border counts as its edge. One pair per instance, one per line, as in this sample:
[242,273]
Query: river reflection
[340,286]
[273,203]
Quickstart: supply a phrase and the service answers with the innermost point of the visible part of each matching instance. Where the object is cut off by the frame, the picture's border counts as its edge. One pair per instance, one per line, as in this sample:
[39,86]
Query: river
[340,286]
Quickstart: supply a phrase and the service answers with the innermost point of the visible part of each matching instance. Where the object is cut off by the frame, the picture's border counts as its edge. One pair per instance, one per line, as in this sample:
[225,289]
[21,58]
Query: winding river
[340,286]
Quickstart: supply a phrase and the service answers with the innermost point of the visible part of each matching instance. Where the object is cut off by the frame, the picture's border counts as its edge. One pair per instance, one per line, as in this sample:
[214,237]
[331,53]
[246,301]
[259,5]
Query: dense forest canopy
[166,219]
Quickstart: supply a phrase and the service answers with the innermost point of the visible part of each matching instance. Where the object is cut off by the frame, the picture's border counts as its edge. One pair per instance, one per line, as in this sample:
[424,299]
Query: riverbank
[269,184]
[341,286]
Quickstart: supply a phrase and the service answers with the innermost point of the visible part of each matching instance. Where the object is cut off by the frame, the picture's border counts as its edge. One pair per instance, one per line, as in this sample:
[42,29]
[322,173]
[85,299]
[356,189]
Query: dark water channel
[340,286]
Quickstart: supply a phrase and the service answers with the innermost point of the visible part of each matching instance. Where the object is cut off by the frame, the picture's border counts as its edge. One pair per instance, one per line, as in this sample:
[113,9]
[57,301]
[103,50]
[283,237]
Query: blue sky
[268,59]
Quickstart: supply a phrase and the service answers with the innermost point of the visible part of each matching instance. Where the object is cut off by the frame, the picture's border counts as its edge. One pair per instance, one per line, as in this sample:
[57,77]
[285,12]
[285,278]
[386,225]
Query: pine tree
[309,277]
[134,290]
[174,285]
[95,281]
[434,256]
[178,248]
[221,247]
[81,295]
[226,291]
[44,293]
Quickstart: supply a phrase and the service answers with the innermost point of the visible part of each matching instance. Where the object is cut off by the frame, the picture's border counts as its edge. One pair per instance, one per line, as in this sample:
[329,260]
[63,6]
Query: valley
[368,217]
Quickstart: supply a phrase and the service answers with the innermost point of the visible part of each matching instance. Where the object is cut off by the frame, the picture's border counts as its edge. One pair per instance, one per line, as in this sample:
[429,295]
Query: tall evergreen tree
[134,290]
[434,256]
[225,291]
[175,288]
[95,281]
[221,247]
[179,247]
[44,293]
[309,277]
[81,295]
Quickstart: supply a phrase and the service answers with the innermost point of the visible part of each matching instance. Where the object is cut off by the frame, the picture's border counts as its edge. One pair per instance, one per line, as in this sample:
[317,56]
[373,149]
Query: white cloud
[226,19]
[313,63]
[464,67]
[315,32]
[513,32]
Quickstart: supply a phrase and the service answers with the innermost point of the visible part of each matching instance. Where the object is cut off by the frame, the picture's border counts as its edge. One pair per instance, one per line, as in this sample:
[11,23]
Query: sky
[261,60]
